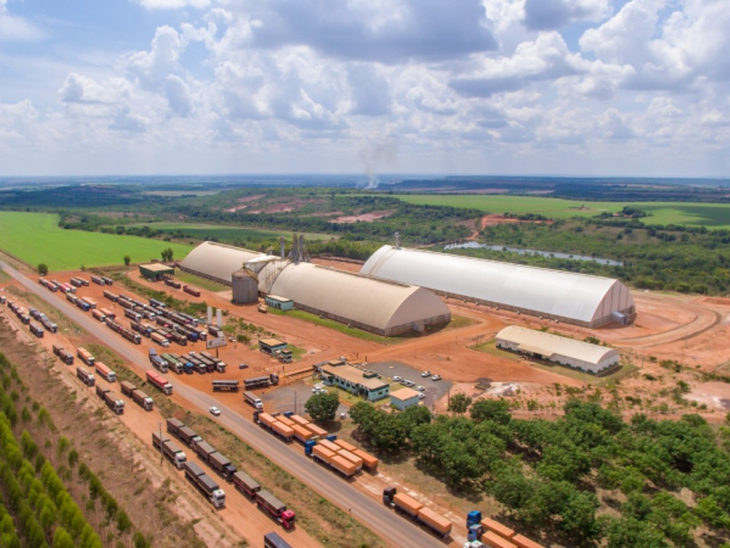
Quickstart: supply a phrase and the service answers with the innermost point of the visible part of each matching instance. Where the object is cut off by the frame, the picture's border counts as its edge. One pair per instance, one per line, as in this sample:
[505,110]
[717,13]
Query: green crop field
[711,215]
[227,233]
[36,238]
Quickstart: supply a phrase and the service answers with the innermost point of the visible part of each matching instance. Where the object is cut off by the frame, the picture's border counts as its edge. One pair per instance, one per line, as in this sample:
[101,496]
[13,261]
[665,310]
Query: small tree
[127,260]
[167,254]
[42,269]
[459,403]
[323,407]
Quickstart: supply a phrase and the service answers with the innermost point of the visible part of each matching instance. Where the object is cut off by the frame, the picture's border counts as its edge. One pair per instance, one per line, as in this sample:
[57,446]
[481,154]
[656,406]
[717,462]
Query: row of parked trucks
[37,327]
[200,362]
[138,397]
[222,466]
[417,511]
[112,401]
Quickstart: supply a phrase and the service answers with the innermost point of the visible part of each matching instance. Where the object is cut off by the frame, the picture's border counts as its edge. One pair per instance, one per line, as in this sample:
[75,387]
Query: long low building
[557,349]
[574,298]
[382,307]
[217,262]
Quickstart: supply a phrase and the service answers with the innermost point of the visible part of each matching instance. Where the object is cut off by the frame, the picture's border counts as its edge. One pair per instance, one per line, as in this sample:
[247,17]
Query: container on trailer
[502,530]
[284,432]
[316,430]
[301,421]
[351,457]
[285,420]
[322,454]
[407,504]
[342,465]
[272,540]
[522,541]
[435,521]
[301,433]
[246,484]
[345,445]
[368,461]
[327,444]
[490,538]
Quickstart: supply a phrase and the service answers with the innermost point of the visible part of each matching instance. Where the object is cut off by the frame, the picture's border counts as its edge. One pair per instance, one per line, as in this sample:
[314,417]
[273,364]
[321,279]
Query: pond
[519,251]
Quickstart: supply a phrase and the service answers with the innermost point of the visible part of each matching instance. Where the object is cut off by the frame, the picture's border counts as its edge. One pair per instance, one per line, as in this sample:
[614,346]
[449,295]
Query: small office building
[156,271]
[364,384]
[280,303]
[404,398]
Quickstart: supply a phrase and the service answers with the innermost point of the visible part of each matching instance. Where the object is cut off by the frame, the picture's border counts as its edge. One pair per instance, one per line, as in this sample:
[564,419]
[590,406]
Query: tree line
[547,474]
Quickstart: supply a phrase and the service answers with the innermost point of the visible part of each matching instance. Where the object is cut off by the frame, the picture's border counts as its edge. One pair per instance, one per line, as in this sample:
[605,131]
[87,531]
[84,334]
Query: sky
[493,87]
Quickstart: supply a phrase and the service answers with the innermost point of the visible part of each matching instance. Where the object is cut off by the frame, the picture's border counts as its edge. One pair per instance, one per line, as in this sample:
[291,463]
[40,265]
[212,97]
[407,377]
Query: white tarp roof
[551,292]
[218,261]
[370,301]
[549,345]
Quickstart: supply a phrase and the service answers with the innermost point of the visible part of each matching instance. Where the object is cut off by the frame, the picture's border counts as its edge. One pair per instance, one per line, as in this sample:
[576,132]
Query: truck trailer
[113,402]
[170,449]
[182,432]
[159,382]
[222,466]
[86,377]
[85,356]
[417,512]
[253,400]
[277,428]
[246,484]
[205,484]
[64,355]
[139,397]
[105,372]
[272,540]
[323,455]
[275,508]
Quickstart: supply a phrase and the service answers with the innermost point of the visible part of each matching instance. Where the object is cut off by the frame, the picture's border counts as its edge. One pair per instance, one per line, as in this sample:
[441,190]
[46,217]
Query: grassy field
[695,214]
[36,238]
[192,279]
[227,233]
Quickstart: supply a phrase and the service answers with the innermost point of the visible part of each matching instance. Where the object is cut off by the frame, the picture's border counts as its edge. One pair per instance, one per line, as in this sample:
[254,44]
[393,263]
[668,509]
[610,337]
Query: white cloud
[17,29]
[173,4]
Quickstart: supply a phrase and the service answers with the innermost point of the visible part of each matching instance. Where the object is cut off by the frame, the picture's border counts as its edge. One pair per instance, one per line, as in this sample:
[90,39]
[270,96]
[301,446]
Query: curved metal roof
[354,297]
[576,297]
[218,261]
[548,344]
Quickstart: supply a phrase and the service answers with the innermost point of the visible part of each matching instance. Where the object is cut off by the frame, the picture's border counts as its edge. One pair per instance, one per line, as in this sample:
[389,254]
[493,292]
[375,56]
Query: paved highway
[393,528]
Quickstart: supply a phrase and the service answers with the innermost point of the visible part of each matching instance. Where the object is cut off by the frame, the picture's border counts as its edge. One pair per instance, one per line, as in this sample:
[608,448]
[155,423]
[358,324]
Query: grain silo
[245,286]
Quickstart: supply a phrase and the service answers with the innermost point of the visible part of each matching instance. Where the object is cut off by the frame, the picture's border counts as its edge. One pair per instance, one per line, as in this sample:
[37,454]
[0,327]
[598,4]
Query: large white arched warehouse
[217,261]
[383,307]
[578,354]
[575,298]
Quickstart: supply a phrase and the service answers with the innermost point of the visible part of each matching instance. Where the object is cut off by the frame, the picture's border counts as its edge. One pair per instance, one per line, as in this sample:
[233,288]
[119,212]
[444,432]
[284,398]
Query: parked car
[436,378]
[397,378]
[243,366]
[410,384]
[404,382]
[420,388]
[426,373]
[421,395]
[215,411]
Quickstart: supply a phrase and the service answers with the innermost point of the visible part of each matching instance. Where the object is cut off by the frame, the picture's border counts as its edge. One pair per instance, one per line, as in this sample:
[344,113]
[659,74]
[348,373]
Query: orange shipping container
[502,530]
[301,421]
[437,522]
[343,465]
[354,459]
[370,462]
[284,420]
[327,444]
[346,446]
[267,419]
[316,430]
[490,538]
[283,430]
[407,504]
[301,433]
[323,454]
[524,542]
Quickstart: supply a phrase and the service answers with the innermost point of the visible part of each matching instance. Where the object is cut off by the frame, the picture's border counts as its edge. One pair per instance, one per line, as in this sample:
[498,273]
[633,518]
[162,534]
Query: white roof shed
[218,261]
[575,298]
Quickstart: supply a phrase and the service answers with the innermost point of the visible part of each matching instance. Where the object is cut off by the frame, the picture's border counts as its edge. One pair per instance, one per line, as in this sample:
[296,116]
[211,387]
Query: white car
[420,388]
[397,378]
[410,384]
[436,378]
[214,411]
[421,395]
[426,374]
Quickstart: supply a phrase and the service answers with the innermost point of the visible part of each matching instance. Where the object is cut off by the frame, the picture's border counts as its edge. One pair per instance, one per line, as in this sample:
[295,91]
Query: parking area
[434,390]
[291,397]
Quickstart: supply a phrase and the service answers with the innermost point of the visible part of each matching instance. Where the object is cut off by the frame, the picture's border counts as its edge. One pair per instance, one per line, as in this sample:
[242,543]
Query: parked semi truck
[64,355]
[113,402]
[85,356]
[205,484]
[417,512]
[139,397]
[157,361]
[493,533]
[326,455]
[275,508]
[191,291]
[105,372]
[86,377]
[246,484]
[170,449]
[36,329]
[159,382]
[252,399]
[261,382]
[182,432]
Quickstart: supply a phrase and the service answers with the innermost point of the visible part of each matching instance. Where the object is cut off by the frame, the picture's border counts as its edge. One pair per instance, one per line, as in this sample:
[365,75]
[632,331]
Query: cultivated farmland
[225,233]
[36,238]
[694,214]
